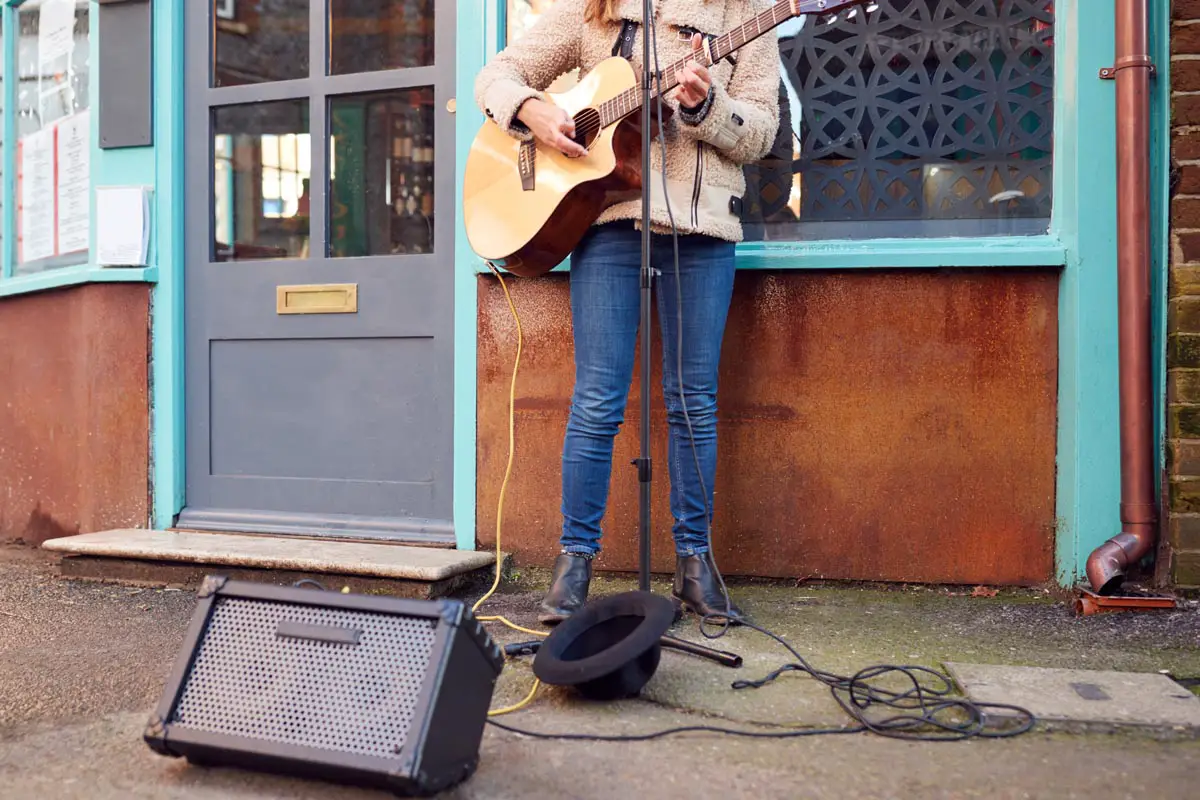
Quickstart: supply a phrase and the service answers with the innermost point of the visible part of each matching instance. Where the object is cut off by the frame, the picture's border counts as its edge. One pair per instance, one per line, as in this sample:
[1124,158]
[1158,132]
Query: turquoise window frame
[124,166]
[1080,244]
[1044,250]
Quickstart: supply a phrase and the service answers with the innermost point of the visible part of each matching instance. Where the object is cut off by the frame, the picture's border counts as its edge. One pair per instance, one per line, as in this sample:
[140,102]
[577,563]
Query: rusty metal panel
[874,425]
[74,424]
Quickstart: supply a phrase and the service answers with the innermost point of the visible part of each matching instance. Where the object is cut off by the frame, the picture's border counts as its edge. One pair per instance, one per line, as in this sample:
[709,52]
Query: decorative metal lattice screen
[927,111]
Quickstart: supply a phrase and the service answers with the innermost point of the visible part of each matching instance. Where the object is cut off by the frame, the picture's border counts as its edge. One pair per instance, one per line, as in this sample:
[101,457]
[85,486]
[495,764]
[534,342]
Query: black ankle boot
[697,589]
[568,588]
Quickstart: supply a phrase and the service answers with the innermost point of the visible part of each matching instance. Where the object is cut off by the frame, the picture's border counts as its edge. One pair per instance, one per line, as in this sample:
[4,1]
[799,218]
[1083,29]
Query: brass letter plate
[317,298]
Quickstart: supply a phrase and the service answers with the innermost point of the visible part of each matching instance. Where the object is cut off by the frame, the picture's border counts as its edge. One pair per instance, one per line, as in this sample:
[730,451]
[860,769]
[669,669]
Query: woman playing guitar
[721,117]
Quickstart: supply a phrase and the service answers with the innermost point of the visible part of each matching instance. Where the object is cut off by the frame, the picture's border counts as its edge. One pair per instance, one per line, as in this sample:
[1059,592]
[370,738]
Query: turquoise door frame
[167,422]
[1081,242]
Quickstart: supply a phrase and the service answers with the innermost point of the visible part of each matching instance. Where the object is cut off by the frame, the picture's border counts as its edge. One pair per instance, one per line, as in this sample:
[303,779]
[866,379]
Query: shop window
[919,118]
[53,144]
[4,205]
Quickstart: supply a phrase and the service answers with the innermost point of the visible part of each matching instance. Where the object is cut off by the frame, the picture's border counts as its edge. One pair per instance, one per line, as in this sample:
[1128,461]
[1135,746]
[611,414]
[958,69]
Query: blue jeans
[605,310]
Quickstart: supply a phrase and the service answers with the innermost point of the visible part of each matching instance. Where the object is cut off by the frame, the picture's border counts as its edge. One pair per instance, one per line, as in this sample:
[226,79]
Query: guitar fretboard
[630,100]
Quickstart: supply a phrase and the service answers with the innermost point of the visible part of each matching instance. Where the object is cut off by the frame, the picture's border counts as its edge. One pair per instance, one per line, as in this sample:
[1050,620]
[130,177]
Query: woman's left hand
[693,80]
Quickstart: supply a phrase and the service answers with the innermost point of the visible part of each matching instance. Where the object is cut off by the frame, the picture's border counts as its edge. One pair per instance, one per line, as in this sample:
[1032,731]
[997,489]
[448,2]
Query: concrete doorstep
[184,558]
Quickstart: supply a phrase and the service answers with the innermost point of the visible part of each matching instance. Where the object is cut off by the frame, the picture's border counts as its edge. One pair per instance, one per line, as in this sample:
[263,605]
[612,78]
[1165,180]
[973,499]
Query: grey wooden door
[319,272]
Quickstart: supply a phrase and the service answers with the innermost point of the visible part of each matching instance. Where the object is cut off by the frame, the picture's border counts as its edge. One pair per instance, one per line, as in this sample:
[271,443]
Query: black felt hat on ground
[609,648]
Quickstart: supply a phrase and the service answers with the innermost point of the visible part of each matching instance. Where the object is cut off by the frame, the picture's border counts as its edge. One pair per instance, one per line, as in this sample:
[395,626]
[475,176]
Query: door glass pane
[371,35]
[262,159]
[381,173]
[258,41]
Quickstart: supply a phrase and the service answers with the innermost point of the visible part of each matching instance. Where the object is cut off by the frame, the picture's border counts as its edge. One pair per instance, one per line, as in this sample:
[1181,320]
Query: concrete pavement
[82,664]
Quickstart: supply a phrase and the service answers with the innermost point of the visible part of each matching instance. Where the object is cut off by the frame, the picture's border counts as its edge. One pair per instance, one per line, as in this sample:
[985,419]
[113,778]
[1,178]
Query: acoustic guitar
[526,206]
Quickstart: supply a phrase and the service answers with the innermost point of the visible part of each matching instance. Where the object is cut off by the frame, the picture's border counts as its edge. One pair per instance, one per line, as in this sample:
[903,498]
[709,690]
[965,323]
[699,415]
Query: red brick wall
[74,411]
[1183,350]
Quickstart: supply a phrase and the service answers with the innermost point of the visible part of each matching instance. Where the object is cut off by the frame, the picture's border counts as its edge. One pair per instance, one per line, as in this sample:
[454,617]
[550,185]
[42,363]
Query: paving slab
[276,552]
[1088,697]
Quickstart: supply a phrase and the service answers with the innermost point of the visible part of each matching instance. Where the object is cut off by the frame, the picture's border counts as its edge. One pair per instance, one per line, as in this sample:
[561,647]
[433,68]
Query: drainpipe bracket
[1129,62]
[1139,513]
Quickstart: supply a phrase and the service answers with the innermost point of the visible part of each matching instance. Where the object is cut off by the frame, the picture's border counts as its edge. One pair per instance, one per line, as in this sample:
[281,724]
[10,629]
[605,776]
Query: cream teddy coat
[704,156]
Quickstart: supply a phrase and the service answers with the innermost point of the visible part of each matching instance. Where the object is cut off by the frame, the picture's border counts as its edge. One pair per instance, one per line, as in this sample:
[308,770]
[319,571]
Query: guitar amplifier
[371,691]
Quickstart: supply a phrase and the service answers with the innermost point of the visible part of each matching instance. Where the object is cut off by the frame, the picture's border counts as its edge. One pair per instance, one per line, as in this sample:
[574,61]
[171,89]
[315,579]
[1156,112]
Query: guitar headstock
[828,10]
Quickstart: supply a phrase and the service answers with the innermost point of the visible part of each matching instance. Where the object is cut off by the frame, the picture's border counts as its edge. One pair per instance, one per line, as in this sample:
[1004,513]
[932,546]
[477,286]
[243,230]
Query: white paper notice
[74,213]
[122,226]
[56,25]
[37,195]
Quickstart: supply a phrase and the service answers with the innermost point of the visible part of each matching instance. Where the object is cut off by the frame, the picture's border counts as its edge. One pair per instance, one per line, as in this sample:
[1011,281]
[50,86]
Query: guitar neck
[630,100]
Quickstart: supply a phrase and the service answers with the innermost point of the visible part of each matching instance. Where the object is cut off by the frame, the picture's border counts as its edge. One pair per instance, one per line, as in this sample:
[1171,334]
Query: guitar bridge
[526,156]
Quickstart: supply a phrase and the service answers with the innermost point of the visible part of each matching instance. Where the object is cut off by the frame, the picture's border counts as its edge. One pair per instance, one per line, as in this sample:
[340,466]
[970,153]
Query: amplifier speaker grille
[359,698]
[375,691]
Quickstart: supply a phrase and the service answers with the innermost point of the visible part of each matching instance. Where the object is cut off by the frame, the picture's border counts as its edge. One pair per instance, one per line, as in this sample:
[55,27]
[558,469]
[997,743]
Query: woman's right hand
[551,126]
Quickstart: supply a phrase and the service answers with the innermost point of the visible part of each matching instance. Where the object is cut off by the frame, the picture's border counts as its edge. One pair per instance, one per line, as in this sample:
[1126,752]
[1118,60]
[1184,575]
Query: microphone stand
[643,464]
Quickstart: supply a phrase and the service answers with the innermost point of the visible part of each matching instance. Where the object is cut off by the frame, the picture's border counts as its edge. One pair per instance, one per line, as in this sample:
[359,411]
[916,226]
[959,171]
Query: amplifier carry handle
[289,629]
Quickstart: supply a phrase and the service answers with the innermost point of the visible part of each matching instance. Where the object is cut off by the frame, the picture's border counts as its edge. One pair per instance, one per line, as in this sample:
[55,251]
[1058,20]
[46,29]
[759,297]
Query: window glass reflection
[381,173]
[911,118]
[262,162]
[259,41]
[370,35]
[53,135]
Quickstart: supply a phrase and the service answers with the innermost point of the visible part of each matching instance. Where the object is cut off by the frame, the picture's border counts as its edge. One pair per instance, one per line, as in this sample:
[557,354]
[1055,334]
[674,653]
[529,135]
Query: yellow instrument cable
[512,395]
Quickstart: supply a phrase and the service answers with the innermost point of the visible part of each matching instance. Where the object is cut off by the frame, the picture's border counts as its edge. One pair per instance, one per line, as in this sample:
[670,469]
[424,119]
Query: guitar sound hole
[587,126]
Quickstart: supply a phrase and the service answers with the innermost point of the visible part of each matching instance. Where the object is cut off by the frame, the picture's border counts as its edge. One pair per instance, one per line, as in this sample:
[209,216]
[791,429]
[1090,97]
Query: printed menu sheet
[73,153]
[37,195]
[54,189]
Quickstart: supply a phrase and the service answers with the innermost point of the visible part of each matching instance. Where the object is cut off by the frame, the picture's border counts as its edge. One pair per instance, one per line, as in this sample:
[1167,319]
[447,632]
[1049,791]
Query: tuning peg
[828,19]
[872,8]
[852,13]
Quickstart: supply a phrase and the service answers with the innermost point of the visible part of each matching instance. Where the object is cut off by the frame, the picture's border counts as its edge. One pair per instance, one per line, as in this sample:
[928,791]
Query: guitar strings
[722,45]
[593,127]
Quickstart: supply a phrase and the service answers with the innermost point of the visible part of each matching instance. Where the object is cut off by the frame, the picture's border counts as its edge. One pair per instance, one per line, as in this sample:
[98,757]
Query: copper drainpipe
[1107,565]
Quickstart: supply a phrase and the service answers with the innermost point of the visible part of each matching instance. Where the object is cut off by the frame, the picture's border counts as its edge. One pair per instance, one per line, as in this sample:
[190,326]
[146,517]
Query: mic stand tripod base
[721,657]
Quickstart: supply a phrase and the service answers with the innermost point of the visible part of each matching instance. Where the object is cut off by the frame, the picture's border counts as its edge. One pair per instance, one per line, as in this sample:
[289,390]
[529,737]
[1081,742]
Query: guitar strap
[623,47]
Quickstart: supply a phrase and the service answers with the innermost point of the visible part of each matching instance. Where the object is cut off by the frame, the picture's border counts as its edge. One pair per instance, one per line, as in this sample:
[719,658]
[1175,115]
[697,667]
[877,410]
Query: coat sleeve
[527,66]
[742,118]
